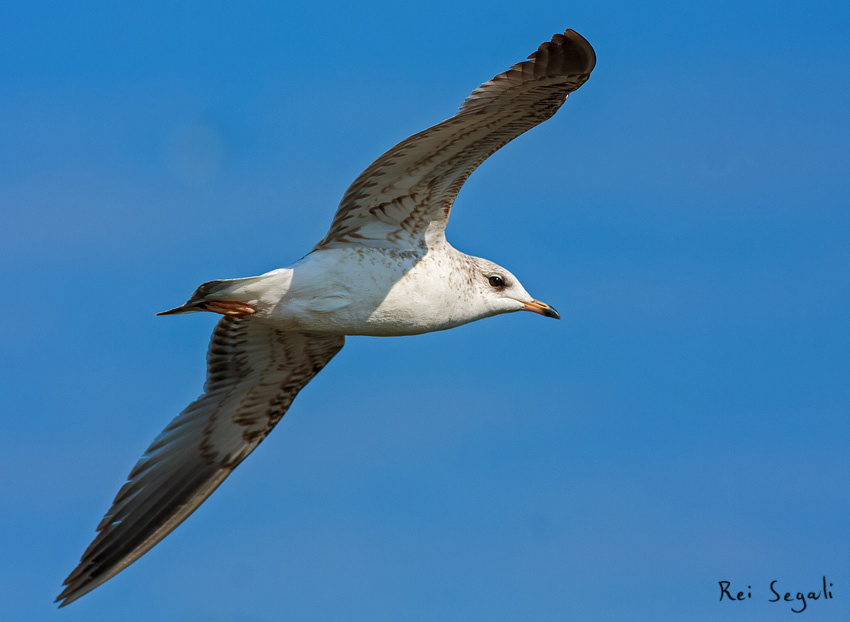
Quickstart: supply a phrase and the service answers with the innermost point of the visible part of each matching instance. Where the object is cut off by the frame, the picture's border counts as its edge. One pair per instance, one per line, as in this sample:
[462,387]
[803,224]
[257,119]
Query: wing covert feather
[403,198]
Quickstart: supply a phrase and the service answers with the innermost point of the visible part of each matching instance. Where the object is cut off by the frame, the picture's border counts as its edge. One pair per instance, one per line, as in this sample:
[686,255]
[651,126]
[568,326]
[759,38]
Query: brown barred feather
[254,371]
[403,198]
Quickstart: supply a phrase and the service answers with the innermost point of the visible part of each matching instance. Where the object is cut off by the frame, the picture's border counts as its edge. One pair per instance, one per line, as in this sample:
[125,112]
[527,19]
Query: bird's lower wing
[253,373]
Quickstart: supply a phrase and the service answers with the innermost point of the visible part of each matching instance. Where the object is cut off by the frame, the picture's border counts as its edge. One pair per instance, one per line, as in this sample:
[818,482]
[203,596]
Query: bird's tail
[227,296]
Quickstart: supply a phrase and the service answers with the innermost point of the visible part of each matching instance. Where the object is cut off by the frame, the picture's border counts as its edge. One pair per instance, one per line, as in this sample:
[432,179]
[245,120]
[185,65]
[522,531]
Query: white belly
[380,292]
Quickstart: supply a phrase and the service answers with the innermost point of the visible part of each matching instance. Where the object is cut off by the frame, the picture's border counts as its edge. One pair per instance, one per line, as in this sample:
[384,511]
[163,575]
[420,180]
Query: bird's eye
[496,281]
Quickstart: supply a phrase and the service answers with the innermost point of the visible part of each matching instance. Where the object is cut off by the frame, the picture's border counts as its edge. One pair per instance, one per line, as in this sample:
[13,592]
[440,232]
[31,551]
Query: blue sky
[686,212]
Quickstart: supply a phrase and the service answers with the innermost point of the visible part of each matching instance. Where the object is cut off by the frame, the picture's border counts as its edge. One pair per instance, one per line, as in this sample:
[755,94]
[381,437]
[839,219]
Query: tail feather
[226,290]
[187,308]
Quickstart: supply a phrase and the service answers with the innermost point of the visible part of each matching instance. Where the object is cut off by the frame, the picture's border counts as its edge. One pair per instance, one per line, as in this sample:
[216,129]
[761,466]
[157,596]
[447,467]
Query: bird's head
[502,292]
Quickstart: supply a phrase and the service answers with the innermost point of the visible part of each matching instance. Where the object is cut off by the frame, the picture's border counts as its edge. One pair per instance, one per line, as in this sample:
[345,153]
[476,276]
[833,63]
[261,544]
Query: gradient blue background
[686,212]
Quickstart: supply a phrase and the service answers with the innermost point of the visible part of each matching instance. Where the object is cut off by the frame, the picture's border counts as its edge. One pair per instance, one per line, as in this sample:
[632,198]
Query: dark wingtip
[64,599]
[583,48]
[73,589]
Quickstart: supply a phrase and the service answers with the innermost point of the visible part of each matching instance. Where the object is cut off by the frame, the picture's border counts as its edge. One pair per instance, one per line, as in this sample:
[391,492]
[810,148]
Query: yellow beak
[542,308]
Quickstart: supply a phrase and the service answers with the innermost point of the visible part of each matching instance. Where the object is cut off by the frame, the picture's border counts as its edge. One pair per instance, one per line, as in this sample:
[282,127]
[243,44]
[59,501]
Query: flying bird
[383,269]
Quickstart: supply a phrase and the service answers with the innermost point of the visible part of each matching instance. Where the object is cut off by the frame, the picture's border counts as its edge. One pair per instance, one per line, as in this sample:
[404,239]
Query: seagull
[383,269]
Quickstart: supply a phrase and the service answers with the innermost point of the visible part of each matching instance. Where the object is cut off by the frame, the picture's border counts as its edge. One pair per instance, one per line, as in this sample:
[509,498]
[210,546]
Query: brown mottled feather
[253,373]
[403,198]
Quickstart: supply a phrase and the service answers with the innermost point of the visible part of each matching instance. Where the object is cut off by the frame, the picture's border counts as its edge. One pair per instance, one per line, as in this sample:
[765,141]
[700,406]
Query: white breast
[381,292]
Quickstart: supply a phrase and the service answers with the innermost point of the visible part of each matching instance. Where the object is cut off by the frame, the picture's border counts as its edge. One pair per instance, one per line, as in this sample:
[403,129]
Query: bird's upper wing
[253,374]
[404,197]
